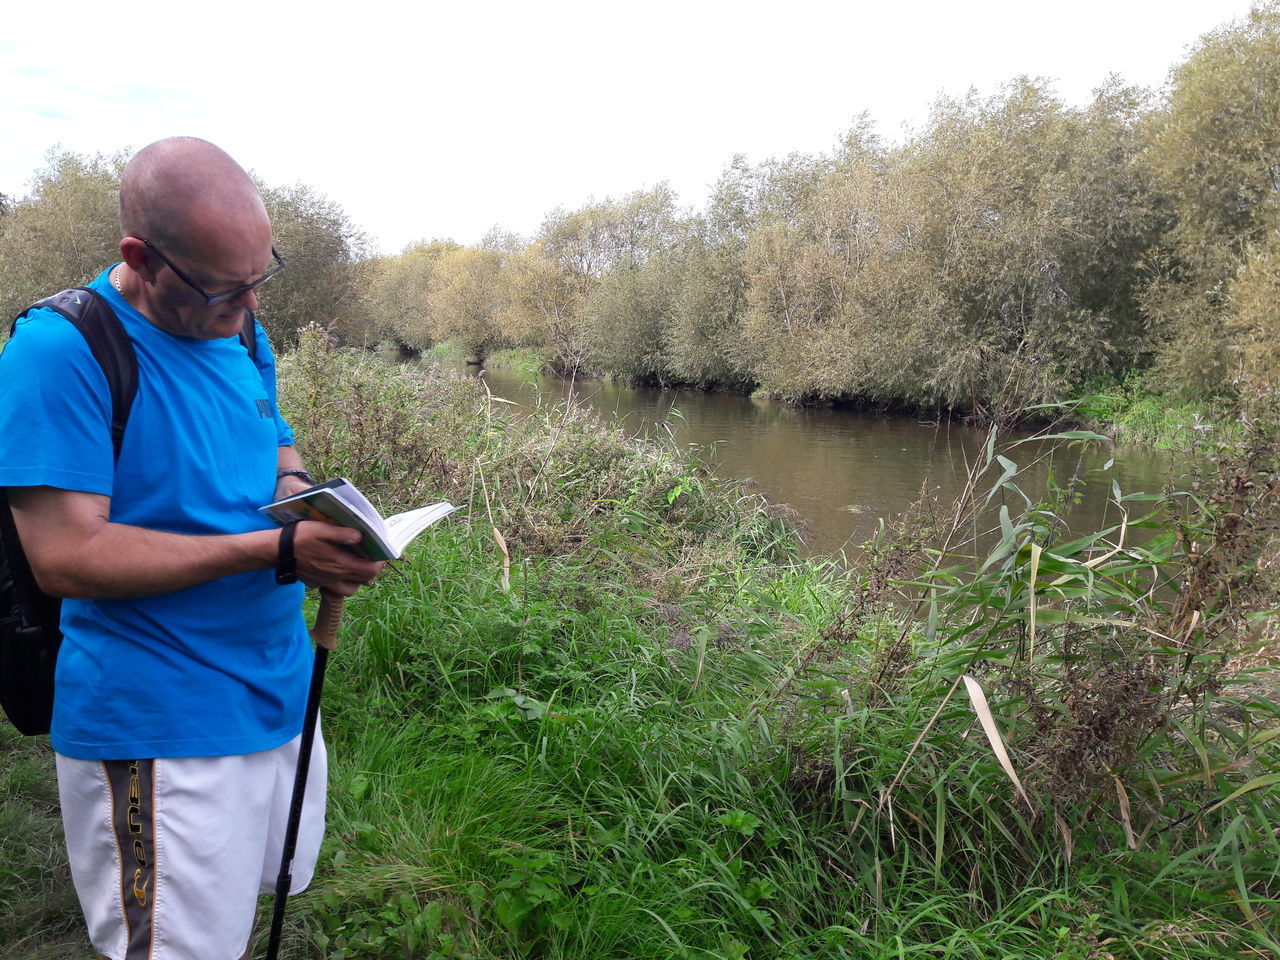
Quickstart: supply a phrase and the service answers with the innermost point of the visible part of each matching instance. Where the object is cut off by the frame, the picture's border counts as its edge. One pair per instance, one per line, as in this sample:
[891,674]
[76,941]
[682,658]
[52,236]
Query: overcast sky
[443,120]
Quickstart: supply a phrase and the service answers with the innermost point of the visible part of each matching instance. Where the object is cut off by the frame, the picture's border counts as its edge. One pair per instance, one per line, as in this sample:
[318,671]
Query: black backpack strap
[110,345]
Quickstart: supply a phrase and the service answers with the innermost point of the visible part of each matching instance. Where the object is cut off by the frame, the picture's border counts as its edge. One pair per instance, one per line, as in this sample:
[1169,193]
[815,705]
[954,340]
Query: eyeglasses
[211,299]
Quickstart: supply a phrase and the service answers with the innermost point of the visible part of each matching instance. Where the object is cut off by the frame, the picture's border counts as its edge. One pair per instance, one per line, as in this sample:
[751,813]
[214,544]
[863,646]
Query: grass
[633,724]
[1128,410]
[446,350]
[525,361]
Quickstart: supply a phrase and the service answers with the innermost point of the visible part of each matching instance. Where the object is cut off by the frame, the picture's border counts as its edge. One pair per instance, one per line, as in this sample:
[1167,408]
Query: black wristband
[286,562]
[296,473]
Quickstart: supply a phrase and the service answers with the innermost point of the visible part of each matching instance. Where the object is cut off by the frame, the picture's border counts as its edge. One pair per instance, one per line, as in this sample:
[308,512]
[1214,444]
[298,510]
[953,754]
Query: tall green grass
[609,713]
[1129,410]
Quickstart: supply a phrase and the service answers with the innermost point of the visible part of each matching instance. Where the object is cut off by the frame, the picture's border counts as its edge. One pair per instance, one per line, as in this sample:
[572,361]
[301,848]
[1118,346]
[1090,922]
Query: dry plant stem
[555,437]
[888,793]
[961,514]
[497,534]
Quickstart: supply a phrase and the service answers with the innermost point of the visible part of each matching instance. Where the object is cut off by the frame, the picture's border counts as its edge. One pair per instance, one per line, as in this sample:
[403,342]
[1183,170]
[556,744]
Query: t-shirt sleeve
[265,360]
[55,409]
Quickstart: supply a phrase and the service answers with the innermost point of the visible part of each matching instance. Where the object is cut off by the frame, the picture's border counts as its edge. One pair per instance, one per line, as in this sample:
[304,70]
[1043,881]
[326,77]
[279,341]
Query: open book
[338,501]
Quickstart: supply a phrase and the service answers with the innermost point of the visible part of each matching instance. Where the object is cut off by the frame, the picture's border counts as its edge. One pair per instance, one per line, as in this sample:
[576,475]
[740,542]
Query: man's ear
[137,257]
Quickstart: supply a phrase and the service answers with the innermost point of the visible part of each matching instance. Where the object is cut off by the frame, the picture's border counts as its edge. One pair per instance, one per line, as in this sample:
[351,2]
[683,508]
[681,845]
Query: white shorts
[170,855]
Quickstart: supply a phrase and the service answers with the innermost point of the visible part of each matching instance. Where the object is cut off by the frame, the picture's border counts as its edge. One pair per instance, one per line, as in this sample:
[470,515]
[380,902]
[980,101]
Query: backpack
[29,618]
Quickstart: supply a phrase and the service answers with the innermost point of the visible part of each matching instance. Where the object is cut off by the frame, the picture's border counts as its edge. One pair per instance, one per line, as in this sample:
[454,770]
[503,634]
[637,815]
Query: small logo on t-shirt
[264,408]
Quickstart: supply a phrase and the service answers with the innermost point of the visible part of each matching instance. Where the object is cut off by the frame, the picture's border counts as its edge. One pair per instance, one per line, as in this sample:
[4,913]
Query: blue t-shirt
[220,668]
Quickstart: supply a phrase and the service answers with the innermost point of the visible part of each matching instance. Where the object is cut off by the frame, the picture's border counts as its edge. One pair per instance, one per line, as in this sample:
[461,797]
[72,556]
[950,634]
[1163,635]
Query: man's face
[184,279]
[219,248]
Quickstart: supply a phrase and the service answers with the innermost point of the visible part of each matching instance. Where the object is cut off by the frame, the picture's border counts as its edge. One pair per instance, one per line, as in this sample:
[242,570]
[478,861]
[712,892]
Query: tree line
[65,230]
[1008,253]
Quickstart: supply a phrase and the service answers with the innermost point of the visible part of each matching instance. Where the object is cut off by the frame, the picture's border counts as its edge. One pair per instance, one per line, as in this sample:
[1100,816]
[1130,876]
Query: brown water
[843,470]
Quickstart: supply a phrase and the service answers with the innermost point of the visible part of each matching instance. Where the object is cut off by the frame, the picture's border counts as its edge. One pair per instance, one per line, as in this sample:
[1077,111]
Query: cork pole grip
[328,617]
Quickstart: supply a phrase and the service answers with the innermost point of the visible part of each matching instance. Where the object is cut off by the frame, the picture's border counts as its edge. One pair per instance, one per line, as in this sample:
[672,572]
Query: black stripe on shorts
[133,807]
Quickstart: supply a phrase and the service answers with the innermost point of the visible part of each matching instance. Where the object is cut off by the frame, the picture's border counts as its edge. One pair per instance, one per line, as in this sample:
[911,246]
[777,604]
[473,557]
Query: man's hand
[289,485]
[326,558]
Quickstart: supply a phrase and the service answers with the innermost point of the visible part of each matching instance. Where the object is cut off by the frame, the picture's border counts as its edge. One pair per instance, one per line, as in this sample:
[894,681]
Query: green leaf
[745,823]
[359,787]
[1269,780]
[1064,435]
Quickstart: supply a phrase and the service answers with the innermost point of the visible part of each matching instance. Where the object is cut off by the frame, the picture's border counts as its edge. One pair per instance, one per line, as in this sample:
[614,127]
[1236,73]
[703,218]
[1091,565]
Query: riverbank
[1123,408]
[635,724]
[841,470]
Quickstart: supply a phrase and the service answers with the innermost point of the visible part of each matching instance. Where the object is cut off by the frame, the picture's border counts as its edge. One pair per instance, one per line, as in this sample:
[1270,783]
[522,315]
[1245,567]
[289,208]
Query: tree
[626,318]
[464,300]
[981,217]
[321,283]
[395,292]
[704,338]
[1027,219]
[63,232]
[1252,326]
[1215,154]
[628,304]
[552,288]
[542,306]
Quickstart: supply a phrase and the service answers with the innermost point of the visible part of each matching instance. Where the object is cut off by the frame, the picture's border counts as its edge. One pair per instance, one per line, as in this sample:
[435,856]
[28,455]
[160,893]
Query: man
[183,673]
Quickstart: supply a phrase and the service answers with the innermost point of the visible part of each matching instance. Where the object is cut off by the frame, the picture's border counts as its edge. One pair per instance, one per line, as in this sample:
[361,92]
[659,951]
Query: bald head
[174,190]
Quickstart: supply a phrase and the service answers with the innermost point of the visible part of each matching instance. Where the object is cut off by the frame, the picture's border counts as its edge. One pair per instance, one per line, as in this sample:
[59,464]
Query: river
[841,469]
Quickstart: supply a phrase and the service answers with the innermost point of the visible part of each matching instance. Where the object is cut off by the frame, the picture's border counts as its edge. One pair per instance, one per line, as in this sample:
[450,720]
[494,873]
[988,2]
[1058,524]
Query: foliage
[997,257]
[543,307]
[463,299]
[598,252]
[988,263]
[545,479]
[626,315]
[321,247]
[524,360]
[396,291]
[606,713]
[1252,327]
[1215,150]
[63,232]
[38,906]
[1109,701]
[1128,408]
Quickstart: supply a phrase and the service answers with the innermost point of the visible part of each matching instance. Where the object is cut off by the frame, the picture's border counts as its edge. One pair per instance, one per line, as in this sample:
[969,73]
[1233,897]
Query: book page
[346,490]
[403,527]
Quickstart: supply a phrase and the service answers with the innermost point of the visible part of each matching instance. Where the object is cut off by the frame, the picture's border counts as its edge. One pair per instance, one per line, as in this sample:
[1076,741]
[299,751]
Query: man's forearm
[160,562]
[75,551]
[118,560]
[288,458]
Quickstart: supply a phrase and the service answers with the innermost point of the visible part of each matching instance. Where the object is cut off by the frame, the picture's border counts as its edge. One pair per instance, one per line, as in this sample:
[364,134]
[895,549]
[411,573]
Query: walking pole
[325,634]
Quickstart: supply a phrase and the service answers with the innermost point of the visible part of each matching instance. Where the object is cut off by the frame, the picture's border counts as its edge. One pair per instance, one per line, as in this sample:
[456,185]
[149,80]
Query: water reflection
[843,470]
